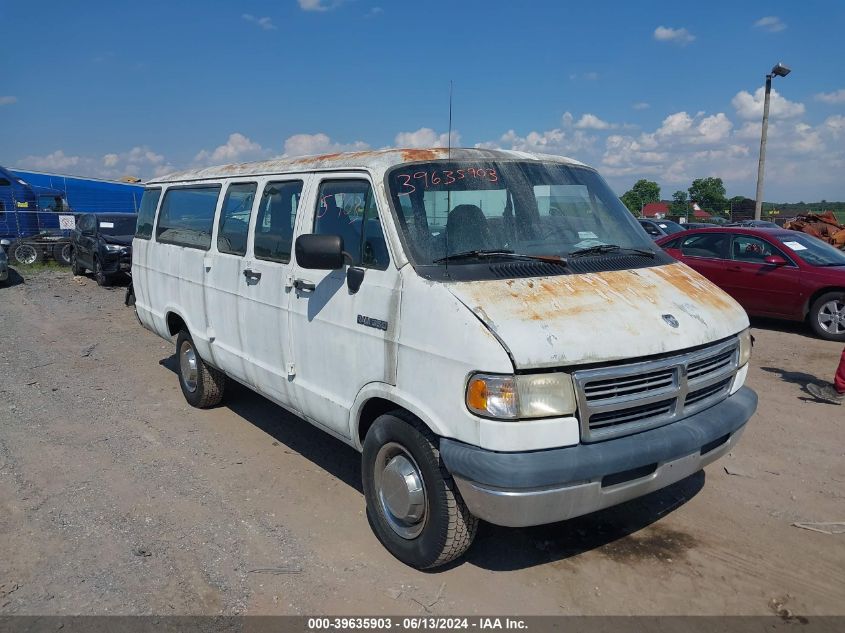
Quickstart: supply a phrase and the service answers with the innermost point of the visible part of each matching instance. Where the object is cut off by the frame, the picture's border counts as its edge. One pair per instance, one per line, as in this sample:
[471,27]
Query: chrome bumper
[519,489]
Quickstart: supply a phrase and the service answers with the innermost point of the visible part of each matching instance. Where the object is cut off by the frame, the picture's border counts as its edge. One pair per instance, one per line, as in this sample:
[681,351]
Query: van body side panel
[441,344]
[603,317]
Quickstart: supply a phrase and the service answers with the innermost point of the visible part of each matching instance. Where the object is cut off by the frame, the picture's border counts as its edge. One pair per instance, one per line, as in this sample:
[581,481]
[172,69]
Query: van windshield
[447,208]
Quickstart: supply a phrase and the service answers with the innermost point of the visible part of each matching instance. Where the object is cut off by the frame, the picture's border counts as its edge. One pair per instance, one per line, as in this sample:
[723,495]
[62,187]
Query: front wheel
[62,254]
[827,316]
[413,504]
[25,253]
[75,267]
[99,275]
[202,385]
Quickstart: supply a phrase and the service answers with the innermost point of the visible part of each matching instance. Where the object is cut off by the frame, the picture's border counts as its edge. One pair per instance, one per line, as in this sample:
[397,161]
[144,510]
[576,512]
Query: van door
[342,339]
[266,290]
[225,280]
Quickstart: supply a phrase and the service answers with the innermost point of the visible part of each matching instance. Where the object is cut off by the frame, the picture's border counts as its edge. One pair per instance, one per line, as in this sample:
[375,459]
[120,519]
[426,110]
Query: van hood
[602,317]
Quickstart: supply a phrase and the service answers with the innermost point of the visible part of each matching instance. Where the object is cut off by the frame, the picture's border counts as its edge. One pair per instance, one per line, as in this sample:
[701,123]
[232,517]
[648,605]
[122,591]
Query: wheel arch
[818,293]
[376,399]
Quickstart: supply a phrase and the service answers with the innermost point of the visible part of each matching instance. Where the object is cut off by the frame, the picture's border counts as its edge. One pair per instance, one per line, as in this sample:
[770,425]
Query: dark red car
[770,272]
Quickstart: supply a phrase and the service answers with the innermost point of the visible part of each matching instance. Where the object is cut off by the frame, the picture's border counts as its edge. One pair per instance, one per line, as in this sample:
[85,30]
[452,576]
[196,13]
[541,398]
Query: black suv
[102,243]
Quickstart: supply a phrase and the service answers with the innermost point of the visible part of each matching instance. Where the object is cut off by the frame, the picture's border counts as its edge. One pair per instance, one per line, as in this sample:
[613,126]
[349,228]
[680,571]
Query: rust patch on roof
[412,155]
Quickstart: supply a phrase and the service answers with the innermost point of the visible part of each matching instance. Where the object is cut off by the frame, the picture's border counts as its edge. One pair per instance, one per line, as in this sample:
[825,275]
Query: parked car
[102,243]
[771,273]
[660,228]
[438,310]
[4,266]
[757,224]
[695,225]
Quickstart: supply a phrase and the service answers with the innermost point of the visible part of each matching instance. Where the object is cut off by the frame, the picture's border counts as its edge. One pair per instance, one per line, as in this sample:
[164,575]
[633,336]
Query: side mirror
[775,260]
[320,252]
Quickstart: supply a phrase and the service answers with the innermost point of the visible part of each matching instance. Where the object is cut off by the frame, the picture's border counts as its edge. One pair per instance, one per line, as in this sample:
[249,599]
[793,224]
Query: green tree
[709,193]
[642,193]
[680,203]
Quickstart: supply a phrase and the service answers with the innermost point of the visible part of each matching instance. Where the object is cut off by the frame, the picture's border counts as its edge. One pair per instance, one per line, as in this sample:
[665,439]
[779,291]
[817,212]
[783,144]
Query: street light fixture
[778,71]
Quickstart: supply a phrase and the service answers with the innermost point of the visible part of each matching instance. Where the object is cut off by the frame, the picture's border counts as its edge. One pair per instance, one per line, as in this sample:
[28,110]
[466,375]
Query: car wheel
[75,268]
[102,278]
[413,504]
[25,254]
[827,316]
[202,386]
[61,253]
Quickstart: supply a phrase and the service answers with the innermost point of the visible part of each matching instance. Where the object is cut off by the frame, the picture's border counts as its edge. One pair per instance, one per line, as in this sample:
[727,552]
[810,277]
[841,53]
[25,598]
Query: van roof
[375,161]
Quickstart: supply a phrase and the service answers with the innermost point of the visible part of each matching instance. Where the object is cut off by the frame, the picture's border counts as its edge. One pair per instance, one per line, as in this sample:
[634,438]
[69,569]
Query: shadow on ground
[13,280]
[799,328]
[619,532]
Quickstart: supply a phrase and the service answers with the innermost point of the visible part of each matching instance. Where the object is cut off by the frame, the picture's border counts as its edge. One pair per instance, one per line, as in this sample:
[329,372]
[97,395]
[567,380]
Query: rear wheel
[62,253]
[827,316]
[101,277]
[25,253]
[413,504]
[202,386]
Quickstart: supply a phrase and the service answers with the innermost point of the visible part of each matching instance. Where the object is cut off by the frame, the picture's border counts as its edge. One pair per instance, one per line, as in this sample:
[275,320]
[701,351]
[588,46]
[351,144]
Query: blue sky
[661,90]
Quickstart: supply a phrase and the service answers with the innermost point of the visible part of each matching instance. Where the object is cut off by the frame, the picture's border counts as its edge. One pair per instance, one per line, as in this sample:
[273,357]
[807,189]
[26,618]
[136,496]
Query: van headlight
[521,397]
[744,347]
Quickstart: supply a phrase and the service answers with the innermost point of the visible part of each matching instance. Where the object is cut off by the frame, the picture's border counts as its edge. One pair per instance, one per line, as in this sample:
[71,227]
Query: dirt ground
[117,497]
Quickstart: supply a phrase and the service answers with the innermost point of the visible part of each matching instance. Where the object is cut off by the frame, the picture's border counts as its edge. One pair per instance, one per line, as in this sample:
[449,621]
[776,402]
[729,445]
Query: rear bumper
[533,488]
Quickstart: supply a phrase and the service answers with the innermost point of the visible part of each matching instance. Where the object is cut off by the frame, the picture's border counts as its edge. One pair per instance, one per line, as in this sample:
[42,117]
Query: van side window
[276,220]
[187,216]
[234,218]
[147,213]
[348,208]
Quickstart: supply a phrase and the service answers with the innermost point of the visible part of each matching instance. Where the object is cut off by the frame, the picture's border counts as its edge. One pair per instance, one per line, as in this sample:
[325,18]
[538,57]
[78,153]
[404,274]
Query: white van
[493,330]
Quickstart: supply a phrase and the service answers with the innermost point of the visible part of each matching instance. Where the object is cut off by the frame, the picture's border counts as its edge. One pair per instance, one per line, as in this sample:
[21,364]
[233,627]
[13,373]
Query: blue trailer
[37,210]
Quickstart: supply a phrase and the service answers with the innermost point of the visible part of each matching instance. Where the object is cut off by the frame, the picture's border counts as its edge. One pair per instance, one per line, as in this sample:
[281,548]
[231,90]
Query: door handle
[303,286]
[252,275]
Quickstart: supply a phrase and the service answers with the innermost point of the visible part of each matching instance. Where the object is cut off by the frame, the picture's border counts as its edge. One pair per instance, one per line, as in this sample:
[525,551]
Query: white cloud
[309,144]
[835,97]
[770,23]
[319,5]
[641,105]
[426,137]
[265,23]
[238,148]
[373,12]
[751,107]
[8,100]
[680,36]
[140,161]
[556,141]
[835,125]
[592,122]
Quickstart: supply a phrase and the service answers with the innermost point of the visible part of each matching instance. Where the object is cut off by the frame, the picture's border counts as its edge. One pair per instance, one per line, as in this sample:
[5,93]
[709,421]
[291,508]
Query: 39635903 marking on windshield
[442,178]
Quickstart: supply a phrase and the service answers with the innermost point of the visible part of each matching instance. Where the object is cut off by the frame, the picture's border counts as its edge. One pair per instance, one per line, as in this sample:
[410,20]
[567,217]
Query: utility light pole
[778,71]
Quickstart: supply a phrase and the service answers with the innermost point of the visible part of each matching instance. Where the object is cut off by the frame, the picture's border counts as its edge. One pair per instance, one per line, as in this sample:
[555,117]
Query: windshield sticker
[106,225]
[587,235]
[442,178]
[795,246]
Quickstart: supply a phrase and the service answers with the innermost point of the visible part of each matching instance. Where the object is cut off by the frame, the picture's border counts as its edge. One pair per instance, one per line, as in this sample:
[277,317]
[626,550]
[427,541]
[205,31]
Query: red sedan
[770,272]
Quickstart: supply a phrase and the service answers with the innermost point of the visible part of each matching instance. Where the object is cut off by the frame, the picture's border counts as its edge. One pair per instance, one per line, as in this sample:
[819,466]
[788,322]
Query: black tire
[447,528]
[206,388]
[25,254]
[62,253]
[100,277]
[75,267]
[827,316]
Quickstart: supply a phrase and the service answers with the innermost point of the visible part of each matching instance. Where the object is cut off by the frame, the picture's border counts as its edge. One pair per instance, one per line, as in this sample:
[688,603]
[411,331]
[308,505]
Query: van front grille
[624,399]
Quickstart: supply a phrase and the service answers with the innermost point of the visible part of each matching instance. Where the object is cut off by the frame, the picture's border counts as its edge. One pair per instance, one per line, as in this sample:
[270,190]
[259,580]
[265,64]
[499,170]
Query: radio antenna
[448,191]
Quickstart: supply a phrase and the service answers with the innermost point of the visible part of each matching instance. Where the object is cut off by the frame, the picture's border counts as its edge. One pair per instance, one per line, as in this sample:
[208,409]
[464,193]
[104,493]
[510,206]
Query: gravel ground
[117,497]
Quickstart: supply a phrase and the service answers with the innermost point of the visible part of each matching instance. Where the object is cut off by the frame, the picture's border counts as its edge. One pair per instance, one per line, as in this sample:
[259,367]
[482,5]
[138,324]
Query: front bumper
[533,488]
[118,261]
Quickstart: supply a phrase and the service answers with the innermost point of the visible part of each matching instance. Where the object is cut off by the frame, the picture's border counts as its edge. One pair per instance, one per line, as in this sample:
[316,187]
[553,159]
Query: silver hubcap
[26,254]
[832,317]
[188,366]
[401,491]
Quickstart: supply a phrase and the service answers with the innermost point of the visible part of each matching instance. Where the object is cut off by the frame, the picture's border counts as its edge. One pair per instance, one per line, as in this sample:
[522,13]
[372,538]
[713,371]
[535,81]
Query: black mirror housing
[319,252]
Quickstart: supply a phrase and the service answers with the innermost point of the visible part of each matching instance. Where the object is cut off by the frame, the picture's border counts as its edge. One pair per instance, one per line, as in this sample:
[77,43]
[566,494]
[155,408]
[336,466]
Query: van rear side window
[234,218]
[147,213]
[187,216]
[276,219]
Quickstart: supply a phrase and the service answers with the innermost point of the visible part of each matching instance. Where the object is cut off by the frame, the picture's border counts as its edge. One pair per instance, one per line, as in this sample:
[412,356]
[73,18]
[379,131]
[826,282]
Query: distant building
[656,210]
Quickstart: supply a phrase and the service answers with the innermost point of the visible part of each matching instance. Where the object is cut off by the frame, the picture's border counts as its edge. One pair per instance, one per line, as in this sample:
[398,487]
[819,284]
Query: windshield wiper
[494,253]
[601,249]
